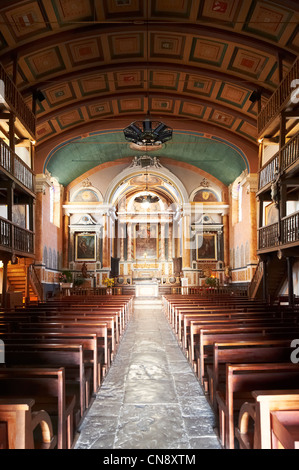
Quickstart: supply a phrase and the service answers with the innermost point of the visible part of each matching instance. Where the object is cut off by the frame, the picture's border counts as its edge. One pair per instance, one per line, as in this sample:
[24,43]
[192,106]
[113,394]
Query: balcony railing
[269,236]
[290,152]
[289,233]
[15,238]
[279,99]
[16,103]
[280,162]
[290,228]
[267,172]
[14,165]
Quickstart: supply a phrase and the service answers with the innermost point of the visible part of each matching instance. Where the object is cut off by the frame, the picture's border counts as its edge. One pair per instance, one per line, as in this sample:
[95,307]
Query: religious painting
[205,195]
[85,247]
[19,215]
[206,247]
[146,241]
[271,214]
[86,195]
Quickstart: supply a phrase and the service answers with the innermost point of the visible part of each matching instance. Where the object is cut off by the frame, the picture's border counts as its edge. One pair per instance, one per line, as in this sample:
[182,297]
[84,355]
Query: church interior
[149,150]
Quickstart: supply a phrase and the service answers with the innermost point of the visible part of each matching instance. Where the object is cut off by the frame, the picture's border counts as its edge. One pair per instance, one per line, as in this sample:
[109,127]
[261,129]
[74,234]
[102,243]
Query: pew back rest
[266,402]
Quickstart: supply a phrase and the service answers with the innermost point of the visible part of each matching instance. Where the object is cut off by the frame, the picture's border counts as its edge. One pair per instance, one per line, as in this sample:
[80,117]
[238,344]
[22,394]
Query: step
[148,302]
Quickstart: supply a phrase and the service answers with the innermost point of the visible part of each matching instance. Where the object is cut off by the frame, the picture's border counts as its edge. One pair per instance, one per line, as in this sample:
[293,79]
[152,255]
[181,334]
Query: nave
[150,398]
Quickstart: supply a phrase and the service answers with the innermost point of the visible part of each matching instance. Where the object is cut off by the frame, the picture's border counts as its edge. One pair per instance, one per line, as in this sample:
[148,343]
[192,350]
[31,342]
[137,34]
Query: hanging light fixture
[146,199]
[148,132]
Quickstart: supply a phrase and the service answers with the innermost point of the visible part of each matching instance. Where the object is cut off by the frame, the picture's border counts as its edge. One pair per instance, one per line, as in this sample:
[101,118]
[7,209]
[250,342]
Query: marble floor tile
[150,397]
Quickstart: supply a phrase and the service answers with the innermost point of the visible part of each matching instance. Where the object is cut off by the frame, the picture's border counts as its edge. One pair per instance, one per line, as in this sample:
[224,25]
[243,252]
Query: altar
[145,273]
[146,289]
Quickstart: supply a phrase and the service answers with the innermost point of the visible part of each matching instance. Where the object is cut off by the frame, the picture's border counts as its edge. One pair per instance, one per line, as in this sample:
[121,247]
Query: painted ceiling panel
[220,159]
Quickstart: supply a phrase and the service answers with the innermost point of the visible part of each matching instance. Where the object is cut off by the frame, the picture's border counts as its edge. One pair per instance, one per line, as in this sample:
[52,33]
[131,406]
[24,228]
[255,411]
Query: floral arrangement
[109,282]
[211,281]
[65,276]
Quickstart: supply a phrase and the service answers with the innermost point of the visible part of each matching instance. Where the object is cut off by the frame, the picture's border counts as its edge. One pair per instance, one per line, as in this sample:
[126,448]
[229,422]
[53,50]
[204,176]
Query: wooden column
[10,200]
[4,282]
[265,280]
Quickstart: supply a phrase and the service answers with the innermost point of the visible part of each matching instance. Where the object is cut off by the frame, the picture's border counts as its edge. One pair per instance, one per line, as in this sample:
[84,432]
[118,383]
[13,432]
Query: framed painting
[85,247]
[271,214]
[206,247]
[146,241]
[19,215]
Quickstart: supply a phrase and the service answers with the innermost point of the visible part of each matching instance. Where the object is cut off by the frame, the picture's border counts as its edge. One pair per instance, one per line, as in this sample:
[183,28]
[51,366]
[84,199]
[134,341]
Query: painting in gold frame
[85,247]
[206,247]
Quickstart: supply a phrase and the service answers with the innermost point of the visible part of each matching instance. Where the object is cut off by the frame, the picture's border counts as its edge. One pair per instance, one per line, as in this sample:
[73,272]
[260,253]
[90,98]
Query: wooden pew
[241,381]
[100,329]
[111,321]
[209,336]
[93,351]
[18,425]
[184,317]
[254,430]
[47,388]
[238,352]
[69,356]
[195,325]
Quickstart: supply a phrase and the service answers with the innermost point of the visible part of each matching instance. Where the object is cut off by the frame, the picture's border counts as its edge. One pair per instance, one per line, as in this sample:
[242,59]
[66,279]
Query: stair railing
[256,280]
[35,282]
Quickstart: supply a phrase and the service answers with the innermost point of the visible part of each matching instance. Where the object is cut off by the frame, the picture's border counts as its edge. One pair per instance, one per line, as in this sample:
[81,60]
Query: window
[52,204]
[240,191]
[55,202]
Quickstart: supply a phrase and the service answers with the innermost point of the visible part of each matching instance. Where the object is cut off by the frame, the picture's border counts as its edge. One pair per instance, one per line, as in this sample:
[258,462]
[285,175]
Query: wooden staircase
[276,275]
[16,277]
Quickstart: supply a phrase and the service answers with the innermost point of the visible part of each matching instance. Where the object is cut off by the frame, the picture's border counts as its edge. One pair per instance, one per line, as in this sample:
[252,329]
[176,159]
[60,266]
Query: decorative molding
[42,182]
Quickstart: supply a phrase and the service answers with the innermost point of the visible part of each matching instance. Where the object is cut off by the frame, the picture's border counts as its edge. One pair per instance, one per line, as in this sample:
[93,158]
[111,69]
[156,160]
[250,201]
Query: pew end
[22,428]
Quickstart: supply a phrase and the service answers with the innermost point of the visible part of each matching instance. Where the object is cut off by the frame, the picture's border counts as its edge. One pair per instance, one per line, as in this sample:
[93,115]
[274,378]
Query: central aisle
[150,398]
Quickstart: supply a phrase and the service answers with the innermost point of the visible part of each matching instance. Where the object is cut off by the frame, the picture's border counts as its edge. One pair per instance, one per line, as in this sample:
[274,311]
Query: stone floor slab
[150,398]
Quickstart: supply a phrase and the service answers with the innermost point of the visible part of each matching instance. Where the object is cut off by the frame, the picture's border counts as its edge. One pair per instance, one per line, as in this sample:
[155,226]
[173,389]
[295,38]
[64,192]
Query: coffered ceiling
[102,64]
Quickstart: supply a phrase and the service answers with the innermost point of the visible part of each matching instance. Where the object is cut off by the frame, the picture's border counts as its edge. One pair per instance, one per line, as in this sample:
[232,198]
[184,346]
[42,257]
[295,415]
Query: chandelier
[148,132]
[146,199]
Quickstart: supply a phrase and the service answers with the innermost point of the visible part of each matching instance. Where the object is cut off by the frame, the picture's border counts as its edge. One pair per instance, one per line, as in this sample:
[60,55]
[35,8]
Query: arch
[174,187]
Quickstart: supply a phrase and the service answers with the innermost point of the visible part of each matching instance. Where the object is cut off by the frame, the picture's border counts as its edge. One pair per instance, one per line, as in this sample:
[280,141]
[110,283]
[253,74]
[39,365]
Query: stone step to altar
[147,302]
